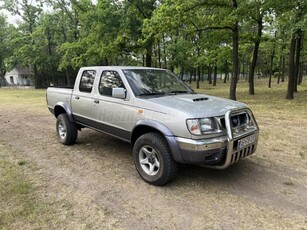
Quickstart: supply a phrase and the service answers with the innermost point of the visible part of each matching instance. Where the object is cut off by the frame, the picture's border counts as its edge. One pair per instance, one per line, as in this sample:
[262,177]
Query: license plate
[246,141]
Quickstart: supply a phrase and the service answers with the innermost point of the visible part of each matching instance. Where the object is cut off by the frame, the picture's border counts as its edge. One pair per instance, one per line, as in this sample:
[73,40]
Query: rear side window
[108,81]
[87,81]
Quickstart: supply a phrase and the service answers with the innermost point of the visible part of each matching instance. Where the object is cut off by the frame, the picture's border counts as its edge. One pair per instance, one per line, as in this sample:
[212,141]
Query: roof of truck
[122,67]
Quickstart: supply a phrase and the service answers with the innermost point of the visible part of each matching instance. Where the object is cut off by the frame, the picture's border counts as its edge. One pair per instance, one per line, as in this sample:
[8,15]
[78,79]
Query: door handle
[96,101]
[76,97]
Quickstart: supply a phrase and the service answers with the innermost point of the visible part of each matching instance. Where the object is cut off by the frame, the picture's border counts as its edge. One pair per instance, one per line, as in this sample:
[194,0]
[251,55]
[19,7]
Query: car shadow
[251,178]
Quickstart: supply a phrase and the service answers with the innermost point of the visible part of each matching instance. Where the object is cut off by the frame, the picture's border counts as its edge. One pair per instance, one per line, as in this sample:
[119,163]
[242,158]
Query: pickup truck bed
[58,94]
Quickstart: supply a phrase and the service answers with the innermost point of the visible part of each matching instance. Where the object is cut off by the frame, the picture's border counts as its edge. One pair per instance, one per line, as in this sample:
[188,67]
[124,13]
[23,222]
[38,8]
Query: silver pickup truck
[163,119]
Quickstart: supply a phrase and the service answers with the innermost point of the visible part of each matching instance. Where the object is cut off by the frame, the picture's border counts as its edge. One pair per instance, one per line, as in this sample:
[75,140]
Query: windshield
[155,82]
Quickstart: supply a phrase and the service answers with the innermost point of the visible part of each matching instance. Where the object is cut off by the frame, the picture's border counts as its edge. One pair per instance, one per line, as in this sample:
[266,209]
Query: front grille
[239,154]
[239,124]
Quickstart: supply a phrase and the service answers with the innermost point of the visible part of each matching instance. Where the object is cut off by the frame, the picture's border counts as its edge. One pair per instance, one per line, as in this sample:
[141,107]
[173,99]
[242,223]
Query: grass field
[266,101]
[283,125]
[20,207]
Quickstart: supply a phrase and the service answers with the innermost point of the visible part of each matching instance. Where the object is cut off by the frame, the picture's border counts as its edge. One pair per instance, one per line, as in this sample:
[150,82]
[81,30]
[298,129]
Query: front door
[113,115]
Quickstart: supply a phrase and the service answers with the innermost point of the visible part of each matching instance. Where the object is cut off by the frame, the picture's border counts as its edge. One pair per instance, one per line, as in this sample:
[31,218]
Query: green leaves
[176,34]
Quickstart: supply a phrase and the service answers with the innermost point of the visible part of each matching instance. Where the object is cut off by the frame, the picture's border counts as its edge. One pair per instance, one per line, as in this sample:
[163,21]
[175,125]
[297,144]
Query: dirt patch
[94,183]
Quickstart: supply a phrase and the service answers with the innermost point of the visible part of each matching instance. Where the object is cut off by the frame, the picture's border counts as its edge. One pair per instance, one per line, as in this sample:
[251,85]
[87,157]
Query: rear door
[82,97]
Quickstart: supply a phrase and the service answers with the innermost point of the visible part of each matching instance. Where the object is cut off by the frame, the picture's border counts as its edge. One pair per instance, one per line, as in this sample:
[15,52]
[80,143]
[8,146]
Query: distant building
[19,76]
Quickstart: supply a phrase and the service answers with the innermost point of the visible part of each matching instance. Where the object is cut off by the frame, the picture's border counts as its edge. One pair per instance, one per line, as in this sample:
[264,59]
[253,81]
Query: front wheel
[153,159]
[67,131]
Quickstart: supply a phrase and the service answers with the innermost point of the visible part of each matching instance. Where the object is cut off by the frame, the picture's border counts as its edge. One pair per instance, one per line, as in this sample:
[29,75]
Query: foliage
[188,37]
[5,50]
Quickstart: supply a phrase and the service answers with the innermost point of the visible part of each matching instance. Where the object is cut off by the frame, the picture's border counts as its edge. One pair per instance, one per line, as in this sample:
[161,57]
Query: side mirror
[119,93]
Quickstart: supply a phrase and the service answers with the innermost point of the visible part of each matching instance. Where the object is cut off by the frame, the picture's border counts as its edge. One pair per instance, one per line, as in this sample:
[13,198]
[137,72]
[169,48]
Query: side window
[108,81]
[87,81]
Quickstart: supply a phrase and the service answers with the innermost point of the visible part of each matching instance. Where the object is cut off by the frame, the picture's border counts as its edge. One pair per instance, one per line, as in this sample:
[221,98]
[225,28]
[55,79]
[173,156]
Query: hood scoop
[201,99]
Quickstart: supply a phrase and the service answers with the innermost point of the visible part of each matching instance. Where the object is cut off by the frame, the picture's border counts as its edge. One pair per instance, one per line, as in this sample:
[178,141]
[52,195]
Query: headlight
[203,126]
[207,125]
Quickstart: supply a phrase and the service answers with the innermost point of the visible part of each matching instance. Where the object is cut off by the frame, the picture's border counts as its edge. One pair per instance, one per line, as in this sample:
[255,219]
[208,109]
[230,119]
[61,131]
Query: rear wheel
[153,159]
[67,131]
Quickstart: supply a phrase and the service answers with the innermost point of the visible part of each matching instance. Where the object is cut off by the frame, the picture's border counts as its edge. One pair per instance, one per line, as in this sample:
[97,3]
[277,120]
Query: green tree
[5,49]
[257,18]
[207,16]
[297,15]
[183,36]
[24,52]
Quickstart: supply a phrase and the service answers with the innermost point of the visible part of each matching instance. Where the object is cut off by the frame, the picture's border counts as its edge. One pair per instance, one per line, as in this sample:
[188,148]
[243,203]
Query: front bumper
[209,151]
[219,152]
[201,145]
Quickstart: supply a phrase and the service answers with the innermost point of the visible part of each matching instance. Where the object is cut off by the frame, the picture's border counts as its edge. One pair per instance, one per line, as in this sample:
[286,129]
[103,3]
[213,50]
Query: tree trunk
[181,72]
[198,77]
[143,60]
[235,57]
[215,75]
[272,61]
[270,80]
[291,81]
[67,77]
[294,55]
[159,54]
[148,56]
[271,68]
[194,74]
[164,52]
[280,67]
[210,74]
[283,58]
[297,57]
[226,71]
[283,69]
[301,73]
[243,70]
[37,79]
[255,57]
[202,74]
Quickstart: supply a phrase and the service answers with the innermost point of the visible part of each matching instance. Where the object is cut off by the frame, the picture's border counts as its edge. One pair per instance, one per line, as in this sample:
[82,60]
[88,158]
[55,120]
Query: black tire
[66,130]
[153,159]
